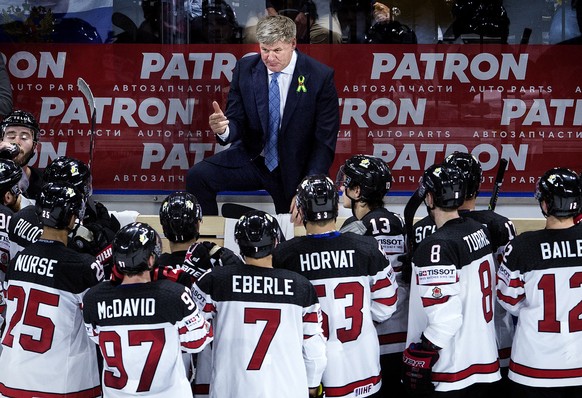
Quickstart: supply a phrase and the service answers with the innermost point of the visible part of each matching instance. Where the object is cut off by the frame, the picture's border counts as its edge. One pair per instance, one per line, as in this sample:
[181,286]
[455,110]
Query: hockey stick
[88,94]
[236,211]
[409,212]
[498,182]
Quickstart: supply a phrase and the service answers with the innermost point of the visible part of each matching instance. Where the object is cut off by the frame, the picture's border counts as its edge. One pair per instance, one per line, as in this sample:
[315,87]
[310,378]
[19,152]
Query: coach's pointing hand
[218,122]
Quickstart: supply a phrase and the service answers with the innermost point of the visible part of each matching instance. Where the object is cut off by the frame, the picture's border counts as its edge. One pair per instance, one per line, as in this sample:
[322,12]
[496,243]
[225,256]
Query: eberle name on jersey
[126,307]
[327,259]
[262,285]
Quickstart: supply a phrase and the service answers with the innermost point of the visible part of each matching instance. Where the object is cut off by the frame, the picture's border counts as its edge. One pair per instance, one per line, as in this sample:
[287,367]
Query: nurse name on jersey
[561,249]
[35,265]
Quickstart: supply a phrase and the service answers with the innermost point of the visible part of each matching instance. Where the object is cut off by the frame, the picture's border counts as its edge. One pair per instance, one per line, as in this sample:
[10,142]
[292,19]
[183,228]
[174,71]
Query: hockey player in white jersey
[269,340]
[355,284]
[540,282]
[45,350]
[365,180]
[451,334]
[142,326]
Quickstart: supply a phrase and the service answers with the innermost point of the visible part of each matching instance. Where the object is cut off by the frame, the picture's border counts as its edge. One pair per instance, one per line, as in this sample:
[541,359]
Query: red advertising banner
[410,105]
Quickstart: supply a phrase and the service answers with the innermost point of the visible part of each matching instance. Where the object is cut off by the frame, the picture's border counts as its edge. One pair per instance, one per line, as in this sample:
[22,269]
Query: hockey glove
[91,238]
[417,363]
[172,274]
[221,256]
[197,260]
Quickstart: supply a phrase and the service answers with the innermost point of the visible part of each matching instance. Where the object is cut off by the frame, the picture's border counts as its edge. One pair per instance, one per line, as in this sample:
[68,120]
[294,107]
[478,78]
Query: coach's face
[277,56]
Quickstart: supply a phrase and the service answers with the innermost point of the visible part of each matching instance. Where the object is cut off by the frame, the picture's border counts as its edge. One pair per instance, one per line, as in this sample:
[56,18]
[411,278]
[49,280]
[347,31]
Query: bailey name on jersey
[327,259]
[561,249]
[129,307]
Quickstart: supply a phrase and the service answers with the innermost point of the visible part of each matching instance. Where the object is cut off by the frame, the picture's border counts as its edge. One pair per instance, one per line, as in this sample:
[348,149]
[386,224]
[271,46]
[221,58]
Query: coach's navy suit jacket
[309,126]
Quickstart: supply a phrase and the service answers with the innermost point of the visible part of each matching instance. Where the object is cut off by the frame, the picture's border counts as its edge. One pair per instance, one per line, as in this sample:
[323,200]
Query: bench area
[212,227]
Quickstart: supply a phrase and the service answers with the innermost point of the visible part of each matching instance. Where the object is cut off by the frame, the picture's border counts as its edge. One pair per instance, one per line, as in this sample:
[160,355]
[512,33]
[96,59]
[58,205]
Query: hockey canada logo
[437,292]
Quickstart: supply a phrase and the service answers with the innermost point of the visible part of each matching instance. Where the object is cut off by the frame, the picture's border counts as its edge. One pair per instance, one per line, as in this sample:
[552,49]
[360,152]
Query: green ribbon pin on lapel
[301,87]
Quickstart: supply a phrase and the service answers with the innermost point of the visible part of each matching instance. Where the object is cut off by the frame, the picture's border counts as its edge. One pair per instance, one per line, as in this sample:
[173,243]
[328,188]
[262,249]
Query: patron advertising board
[410,105]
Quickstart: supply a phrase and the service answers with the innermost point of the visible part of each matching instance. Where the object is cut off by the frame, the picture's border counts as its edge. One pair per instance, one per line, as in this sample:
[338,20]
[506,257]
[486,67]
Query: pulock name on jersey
[561,249]
[437,274]
[35,265]
[27,231]
[126,308]
[477,240]
[327,259]
[262,285]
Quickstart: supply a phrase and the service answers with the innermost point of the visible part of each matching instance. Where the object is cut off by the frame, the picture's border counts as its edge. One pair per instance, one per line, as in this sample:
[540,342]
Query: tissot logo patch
[437,274]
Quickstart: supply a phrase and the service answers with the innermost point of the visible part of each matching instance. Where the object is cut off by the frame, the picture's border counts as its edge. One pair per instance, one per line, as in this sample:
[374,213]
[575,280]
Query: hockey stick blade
[236,211]
[88,94]
[498,182]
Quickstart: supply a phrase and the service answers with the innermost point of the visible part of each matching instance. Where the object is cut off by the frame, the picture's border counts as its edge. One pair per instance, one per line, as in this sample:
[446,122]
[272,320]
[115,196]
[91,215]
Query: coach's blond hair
[276,28]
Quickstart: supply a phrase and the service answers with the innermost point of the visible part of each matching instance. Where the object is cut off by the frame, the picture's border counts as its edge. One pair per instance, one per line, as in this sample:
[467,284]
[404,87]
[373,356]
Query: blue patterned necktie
[270,152]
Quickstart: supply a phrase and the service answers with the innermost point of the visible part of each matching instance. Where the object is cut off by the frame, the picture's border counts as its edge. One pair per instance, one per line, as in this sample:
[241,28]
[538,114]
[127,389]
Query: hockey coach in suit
[282,119]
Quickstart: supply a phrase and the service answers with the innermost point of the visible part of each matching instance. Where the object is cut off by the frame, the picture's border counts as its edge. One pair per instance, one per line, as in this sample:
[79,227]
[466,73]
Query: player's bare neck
[361,209]
[312,228]
[265,262]
[181,246]
[143,277]
[559,223]
[442,216]
[468,204]
[59,235]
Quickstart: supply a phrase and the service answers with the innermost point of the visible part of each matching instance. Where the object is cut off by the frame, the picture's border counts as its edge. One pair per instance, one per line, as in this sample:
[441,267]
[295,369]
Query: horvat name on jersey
[35,264]
[327,259]
[127,307]
[27,231]
[477,240]
[262,285]
[561,249]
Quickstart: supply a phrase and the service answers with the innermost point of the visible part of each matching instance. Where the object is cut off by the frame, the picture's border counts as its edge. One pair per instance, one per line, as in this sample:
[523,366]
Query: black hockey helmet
[21,118]
[471,169]
[10,174]
[257,234]
[132,247]
[370,173]
[447,185]
[57,203]
[560,189]
[317,198]
[180,216]
[70,170]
